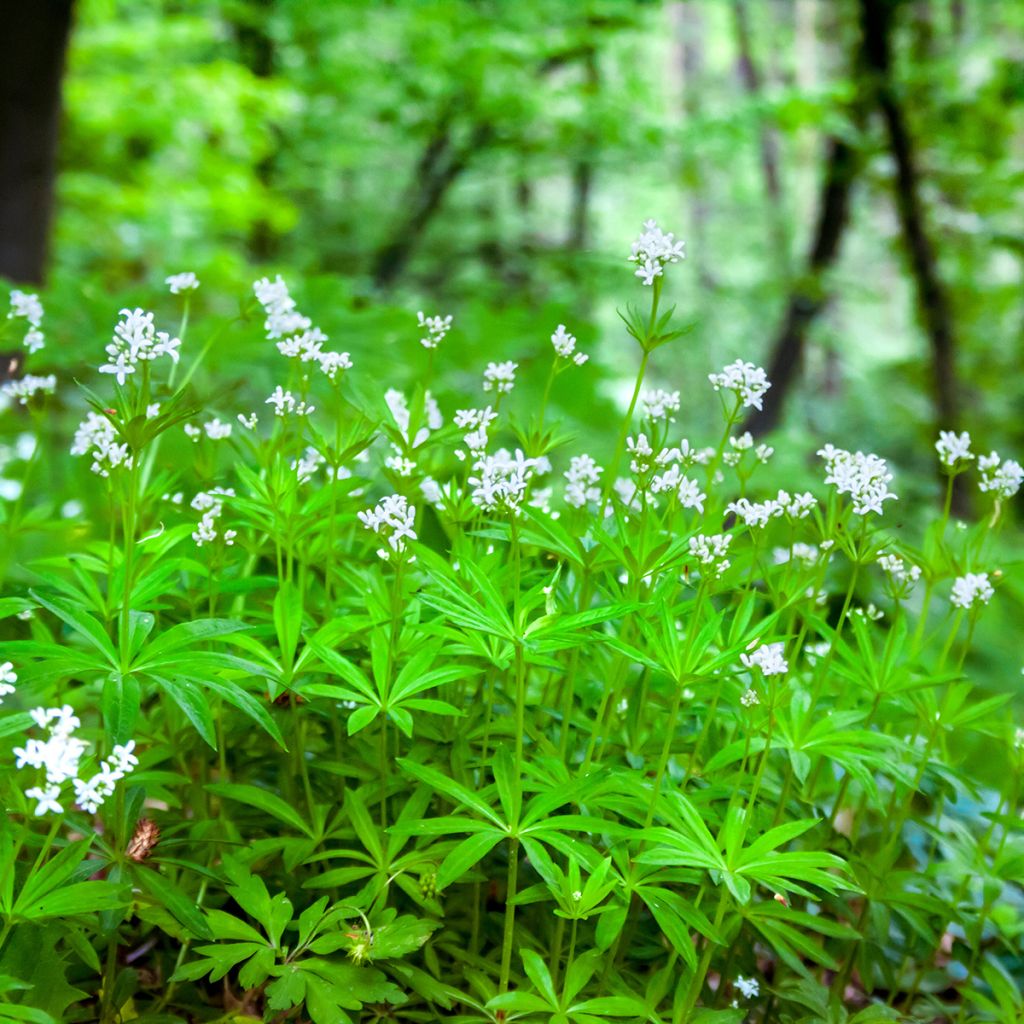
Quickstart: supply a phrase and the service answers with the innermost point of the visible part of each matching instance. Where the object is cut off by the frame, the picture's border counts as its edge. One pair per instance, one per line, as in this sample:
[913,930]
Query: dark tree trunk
[690,34]
[932,300]
[768,142]
[583,168]
[32,46]
[808,297]
[439,167]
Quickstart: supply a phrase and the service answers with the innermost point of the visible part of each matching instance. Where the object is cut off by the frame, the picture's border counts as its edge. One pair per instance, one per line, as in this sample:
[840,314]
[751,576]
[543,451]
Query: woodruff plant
[411,713]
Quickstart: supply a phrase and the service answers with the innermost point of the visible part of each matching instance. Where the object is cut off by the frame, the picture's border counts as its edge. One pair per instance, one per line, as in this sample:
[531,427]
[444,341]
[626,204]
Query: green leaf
[466,855]
[264,800]
[122,697]
[173,899]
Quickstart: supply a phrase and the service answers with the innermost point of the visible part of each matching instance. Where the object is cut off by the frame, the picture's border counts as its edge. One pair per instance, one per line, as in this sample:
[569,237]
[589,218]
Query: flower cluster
[501,481]
[286,404]
[758,513]
[953,448]
[60,755]
[398,406]
[970,589]
[745,380]
[659,405]
[299,339]
[211,505]
[476,423]
[8,677]
[500,377]
[24,388]
[97,437]
[653,250]
[564,345]
[710,551]
[437,327]
[215,430]
[768,658]
[394,519]
[864,477]
[136,340]
[183,282]
[582,478]
[902,576]
[1000,478]
[26,306]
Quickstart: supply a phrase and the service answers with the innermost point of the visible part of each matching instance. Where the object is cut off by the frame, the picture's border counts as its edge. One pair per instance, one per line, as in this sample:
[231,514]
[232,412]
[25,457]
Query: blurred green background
[495,159]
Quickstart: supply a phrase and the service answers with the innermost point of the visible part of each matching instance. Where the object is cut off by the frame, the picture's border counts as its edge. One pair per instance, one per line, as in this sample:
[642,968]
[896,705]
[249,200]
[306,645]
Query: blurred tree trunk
[808,296]
[32,47]
[932,299]
[257,53]
[689,24]
[768,142]
[441,163]
[583,167]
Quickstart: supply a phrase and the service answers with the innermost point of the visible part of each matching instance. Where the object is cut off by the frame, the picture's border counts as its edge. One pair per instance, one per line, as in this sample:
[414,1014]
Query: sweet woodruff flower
[745,380]
[971,589]
[1000,478]
[211,505]
[26,306]
[864,477]
[582,477]
[953,448]
[282,316]
[564,345]
[437,327]
[501,481]
[476,423]
[136,340]
[748,987]
[768,658]
[97,437]
[711,550]
[500,377]
[659,405]
[394,519]
[902,576]
[285,403]
[25,388]
[8,677]
[184,282]
[653,251]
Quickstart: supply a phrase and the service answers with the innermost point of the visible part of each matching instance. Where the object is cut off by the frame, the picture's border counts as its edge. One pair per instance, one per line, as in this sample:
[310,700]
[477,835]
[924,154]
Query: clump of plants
[377,709]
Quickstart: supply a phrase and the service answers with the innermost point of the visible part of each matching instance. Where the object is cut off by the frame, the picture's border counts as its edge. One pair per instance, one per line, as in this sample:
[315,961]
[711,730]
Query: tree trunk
[32,47]
[583,167]
[932,300]
[768,142]
[808,297]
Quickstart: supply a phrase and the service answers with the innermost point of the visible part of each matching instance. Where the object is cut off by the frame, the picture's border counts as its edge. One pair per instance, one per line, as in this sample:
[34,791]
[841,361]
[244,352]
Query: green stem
[510,915]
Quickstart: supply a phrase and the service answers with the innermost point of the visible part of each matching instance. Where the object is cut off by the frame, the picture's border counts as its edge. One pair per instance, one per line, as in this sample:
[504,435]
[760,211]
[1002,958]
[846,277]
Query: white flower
[711,551]
[799,552]
[249,422]
[863,477]
[332,362]
[747,381]
[437,327]
[26,306]
[8,677]
[690,495]
[754,514]
[28,387]
[500,377]
[749,987]
[310,462]
[768,658]
[501,481]
[477,423]
[47,799]
[192,432]
[582,477]
[564,345]
[33,340]
[971,588]
[216,430]
[183,282]
[211,504]
[659,405]
[653,251]
[749,698]
[901,576]
[1003,478]
[283,319]
[642,455]
[97,437]
[953,448]
[394,519]
[135,340]
[399,464]
[285,403]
